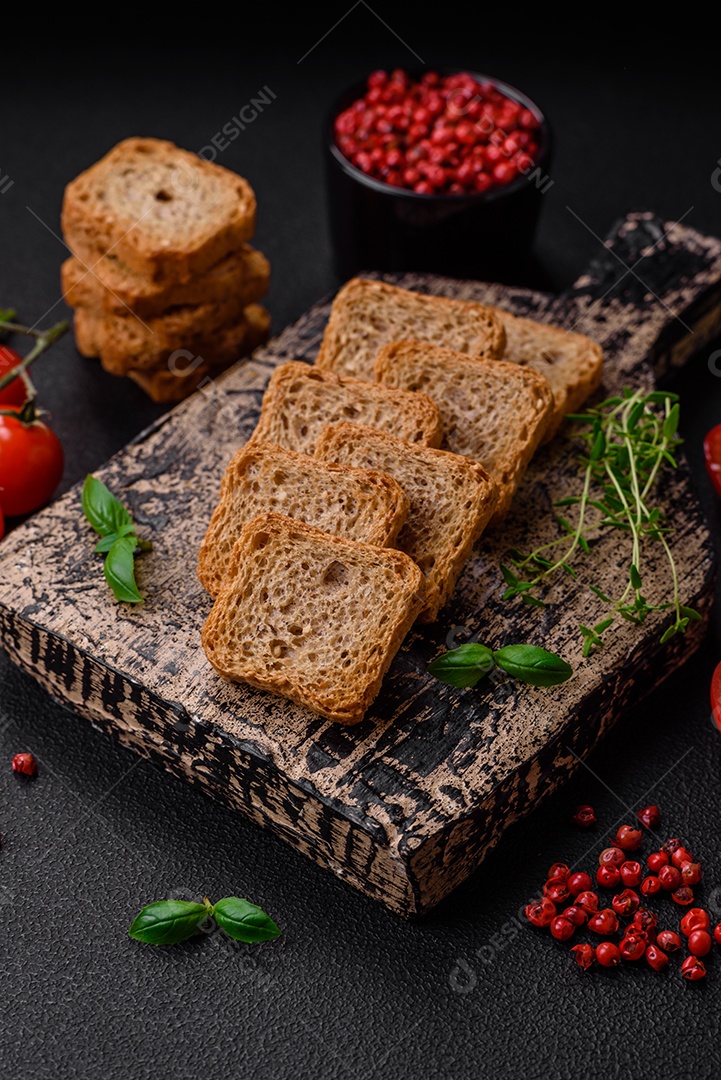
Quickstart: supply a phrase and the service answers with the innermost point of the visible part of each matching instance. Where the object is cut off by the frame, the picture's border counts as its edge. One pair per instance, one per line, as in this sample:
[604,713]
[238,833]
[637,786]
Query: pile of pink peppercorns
[570,902]
[438,135]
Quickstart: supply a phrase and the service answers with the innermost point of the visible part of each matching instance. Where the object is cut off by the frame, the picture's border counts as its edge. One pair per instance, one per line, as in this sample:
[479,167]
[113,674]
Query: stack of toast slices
[163,280]
[369,479]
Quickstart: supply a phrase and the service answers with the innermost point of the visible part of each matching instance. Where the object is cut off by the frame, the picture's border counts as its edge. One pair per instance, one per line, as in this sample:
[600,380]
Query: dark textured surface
[349,991]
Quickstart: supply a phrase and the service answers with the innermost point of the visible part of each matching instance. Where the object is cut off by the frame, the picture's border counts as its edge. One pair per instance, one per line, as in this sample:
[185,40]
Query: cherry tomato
[31,462]
[712,454]
[16,392]
[716,696]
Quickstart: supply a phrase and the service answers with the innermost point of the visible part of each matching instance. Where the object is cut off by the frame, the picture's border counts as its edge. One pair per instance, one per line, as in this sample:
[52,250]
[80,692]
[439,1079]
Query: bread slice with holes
[451,499]
[357,503]
[493,412]
[313,617]
[165,212]
[300,400]
[107,285]
[369,314]
[571,363]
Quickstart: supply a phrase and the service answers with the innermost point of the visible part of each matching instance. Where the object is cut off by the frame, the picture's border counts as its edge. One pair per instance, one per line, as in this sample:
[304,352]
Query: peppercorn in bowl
[433,171]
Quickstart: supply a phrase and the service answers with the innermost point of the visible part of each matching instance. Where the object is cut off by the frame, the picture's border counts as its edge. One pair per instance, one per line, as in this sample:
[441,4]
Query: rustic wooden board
[405,805]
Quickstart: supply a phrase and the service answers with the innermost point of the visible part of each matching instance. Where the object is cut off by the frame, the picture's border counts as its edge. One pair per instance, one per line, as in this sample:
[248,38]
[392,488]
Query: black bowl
[375,226]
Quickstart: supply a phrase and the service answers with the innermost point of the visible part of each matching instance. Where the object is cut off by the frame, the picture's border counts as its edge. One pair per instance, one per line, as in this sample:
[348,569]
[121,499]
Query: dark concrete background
[349,991]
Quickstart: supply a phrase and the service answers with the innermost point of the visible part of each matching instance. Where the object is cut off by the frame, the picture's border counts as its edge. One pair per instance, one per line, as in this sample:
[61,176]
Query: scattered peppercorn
[656,958]
[589,901]
[579,883]
[680,856]
[656,860]
[633,946]
[562,928]
[683,896]
[557,890]
[699,943]
[558,870]
[608,877]
[650,816]
[626,902]
[612,856]
[650,885]
[717,933]
[645,920]
[628,838]
[668,940]
[695,919]
[540,912]
[584,955]
[25,765]
[691,873]
[608,954]
[631,873]
[693,969]
[604,922]
[577,914]
[585,816]
[670,878]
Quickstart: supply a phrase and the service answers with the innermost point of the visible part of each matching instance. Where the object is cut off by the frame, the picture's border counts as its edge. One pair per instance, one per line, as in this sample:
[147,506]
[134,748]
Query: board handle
[655,278]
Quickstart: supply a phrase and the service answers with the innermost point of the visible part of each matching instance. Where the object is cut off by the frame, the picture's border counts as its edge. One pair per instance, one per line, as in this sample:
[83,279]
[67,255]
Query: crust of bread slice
[367,315]
[313,617]
[357,503]
[126,342]
[492,411]
[173,381]
[300,400]
[106,285]
[572,363]
[165,212]
[451,499]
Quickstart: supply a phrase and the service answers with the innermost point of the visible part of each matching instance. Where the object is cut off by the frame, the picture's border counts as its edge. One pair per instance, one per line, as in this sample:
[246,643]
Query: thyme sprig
[627,442]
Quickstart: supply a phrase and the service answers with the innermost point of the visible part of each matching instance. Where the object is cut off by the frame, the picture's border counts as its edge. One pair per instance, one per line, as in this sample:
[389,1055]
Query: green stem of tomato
[44,339]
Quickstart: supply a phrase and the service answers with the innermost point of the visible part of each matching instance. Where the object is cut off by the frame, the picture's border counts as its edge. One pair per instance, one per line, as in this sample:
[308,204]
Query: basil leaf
[464,666]
[533,665]
[244,921]
[119,570]
[105,513]
[104,545]
[168,921]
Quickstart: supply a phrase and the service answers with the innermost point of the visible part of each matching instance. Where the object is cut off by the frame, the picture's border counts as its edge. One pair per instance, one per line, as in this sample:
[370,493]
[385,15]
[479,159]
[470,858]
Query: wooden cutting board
[405,805]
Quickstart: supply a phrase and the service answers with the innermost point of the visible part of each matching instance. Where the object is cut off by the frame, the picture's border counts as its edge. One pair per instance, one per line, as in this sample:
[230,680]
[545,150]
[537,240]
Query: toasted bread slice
[369,314]
[106,285]
[301,400]
[175,380]
[165,212]
[493,412]
[314,617]
[451,498]
[125,342]
[572,363]
[359,504]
